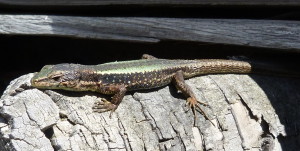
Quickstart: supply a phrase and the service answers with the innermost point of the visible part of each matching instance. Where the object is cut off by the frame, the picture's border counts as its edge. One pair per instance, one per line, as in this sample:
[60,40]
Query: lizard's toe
[104,106]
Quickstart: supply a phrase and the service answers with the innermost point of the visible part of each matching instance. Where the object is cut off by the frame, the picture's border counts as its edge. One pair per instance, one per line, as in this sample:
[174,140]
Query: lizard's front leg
[117,98]
[187,91]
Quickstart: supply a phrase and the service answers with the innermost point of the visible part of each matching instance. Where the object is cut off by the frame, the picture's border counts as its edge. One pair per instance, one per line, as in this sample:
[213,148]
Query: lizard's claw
[194,105]
[104,106]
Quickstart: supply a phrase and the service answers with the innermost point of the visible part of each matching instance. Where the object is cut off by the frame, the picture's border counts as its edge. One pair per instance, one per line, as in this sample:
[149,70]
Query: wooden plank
[151,2]
[257,33]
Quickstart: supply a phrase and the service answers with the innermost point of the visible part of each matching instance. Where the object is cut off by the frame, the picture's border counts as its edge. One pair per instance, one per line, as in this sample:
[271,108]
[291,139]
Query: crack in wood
[124,135]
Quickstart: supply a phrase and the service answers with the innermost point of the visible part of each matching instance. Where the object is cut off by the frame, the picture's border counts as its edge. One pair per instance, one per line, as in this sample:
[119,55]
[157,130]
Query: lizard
[116,78]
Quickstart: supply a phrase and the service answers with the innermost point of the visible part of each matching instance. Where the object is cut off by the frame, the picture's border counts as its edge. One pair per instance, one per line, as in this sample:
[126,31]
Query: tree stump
[250,112]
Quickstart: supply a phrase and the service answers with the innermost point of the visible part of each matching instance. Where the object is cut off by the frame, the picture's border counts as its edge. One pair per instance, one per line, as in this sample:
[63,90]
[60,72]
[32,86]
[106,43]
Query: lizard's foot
[194,105]
[104,106]
[191,101]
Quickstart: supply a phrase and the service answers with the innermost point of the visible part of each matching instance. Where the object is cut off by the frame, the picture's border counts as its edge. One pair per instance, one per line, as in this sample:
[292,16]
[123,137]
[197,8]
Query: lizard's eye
[56,77]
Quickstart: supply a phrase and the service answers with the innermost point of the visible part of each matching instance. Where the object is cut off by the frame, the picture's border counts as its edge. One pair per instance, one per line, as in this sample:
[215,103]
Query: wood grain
[256,33]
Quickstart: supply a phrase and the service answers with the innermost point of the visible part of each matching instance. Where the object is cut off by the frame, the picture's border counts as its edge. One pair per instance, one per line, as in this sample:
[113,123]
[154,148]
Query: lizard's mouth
[44,82]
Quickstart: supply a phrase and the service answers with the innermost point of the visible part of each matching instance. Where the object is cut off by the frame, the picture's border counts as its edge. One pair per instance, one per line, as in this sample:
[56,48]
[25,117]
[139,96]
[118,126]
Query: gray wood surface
[282,35]
[152,2]
[250,113]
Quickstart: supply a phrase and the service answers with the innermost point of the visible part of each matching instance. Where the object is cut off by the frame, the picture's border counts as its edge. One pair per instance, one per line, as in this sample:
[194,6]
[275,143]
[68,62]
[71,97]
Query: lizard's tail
[219,66]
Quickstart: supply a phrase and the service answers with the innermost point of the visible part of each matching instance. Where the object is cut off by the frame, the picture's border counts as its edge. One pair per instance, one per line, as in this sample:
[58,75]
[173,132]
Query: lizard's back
[141,74]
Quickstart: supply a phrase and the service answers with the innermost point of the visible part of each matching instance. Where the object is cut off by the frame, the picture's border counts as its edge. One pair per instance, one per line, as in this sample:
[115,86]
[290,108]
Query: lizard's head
[61,76]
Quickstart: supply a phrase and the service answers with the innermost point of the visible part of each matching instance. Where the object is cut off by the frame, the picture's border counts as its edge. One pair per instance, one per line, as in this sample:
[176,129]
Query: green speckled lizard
[117,78]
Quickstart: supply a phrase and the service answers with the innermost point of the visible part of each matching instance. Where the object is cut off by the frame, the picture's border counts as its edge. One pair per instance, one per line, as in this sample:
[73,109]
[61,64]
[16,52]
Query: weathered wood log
[151,2]
[250,113]
[282,35]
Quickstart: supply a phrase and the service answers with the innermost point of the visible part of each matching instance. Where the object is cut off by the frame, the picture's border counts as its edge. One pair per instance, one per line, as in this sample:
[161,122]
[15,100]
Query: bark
[249,112]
